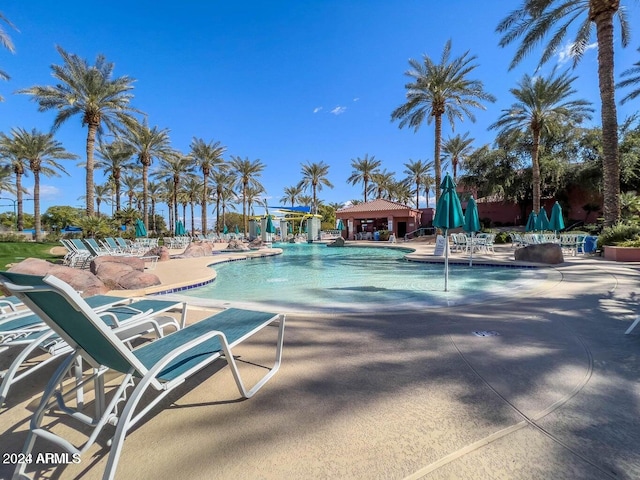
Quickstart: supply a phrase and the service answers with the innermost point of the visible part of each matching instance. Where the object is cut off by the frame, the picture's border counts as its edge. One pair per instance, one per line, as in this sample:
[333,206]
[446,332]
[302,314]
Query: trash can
[590,244]
[376,236]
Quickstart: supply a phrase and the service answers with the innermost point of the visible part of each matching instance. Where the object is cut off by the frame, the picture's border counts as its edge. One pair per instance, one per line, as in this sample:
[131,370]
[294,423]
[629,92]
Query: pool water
[314,277]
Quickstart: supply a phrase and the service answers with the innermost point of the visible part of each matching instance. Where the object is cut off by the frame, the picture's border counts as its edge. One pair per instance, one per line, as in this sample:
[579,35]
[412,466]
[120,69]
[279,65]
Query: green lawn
[14,252]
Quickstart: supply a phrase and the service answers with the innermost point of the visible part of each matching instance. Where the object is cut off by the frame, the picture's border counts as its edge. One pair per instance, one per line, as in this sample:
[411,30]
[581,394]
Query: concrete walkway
[554,394]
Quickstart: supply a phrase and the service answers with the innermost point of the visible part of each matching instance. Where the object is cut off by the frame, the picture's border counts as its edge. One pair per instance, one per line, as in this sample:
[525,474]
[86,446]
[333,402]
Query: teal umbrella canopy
[531,222]
[269,227]
[471,219]
[542,221]
[556,221]
[236,230]
[141,231]
[448,210]
[225,229]
[340,225]
[180,228]
[258,231]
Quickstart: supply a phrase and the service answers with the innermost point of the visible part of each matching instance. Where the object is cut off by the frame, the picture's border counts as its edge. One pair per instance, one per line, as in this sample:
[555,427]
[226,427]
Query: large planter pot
[622,254]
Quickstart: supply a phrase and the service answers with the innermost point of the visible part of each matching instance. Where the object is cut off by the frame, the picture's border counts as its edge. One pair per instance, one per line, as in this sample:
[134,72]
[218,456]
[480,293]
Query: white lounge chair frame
[199,345]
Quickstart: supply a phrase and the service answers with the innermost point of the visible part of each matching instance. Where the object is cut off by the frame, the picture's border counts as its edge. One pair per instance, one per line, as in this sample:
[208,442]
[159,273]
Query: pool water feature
[314,277]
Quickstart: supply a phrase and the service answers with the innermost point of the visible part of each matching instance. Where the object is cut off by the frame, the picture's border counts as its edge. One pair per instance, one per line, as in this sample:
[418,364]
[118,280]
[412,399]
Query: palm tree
[314,175]
[401,192]
[192,190]
[416,171]
[542,104]
[6,42]
[156,194]
[172,168]
[102,194]
[223,183]
[208,156]
[633,78]
[254,195]
[246,171]
[17,164]
[456,149]
[89,91]
[292,194]
[437,90]
[428,183]
[42,153]
[132,184]
[383,182]
[147,143]
[363,169]
[535,20]
[113,159]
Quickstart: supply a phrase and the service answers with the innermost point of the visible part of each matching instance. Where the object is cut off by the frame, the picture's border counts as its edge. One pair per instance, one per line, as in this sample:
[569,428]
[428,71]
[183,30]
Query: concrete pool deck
[403,395]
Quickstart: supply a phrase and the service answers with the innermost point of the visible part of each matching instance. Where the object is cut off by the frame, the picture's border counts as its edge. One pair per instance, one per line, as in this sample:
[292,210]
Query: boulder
[256,243]
[129,263]
[548,253]
[135,280]
[161,252]
[81,280]
[236,244]
[338,242]
[197,249]
[123,273]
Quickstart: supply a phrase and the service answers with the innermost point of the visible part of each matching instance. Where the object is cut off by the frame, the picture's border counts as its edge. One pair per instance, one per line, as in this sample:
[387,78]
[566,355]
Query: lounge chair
[32,335]
[155,368]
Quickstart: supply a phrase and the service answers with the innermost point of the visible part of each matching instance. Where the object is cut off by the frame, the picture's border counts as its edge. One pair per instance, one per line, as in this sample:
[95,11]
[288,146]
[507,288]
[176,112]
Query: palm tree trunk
[193,226]
[20,214]
[145,194]
[436,155]
[204,205]
[610,161]
[418,195]
[218,215]
[535,170]
[36,204]
[245,223]
[116,181]
[91,141]
[365,181]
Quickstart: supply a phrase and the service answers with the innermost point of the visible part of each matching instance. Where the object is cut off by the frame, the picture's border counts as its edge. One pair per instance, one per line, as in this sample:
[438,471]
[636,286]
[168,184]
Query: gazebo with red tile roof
[379,215]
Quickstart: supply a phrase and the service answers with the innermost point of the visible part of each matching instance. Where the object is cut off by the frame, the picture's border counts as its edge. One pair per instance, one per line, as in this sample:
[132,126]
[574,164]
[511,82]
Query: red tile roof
[376,206]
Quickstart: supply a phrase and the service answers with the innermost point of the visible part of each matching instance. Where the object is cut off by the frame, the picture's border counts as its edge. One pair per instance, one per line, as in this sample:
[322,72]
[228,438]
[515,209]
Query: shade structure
[270,227]
[542,221]
[531,222]
[448,215]
[225,230]
[180,228]
[471,223]
[556,222]
[340,225]
[141,231]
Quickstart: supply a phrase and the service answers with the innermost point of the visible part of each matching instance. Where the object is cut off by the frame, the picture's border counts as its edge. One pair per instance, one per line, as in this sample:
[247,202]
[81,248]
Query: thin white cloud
[47,192]
[339,110]
[565,55]
[317,109]
[356,99]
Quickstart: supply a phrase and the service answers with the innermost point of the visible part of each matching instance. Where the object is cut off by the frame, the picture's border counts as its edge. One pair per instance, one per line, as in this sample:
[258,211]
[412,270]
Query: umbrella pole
[471,255]
[446,261]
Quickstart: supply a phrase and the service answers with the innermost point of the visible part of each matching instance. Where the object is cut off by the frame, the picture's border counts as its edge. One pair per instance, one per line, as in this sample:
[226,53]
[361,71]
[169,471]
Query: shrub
[619,233]
[502,237]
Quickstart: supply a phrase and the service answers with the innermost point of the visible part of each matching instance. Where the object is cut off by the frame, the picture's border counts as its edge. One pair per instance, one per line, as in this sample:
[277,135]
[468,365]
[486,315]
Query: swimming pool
[313,277]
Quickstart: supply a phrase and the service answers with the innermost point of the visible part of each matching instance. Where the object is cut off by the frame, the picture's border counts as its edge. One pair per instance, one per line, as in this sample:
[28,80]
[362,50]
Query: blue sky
[285,82]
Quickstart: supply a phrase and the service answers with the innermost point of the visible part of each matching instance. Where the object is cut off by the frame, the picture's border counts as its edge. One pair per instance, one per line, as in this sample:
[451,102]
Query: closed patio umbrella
[225,230]
[269,227]
[236,230]
[471,223]
[180,228]
[141,231]
[340,225]
[531,222]
[556,222]
[448,215]
[542,221]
